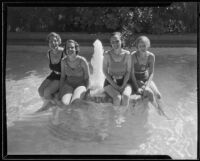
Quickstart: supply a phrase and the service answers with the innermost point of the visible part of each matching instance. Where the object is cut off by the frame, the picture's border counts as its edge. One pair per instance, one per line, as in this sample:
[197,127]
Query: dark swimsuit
[116,69]
[56,69]
[141,72]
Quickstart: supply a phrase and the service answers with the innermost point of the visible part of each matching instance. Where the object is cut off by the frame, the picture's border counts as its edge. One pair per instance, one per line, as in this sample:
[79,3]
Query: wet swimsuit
[75,76]
[117,70]
[56,69]
[141,72]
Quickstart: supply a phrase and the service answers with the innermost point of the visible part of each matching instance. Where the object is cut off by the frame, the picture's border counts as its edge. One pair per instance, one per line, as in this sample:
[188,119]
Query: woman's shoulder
[125,51]
[82,59]
[60,49]
[133,53]
[49,51]
[151,55]
[63,59]
[126,54]
[106,54]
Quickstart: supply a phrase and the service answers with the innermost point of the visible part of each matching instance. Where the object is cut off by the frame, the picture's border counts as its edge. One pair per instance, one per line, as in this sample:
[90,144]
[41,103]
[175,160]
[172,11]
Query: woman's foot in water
[55,118]
[45,106]
[158,95]
[132,109]
[55,121]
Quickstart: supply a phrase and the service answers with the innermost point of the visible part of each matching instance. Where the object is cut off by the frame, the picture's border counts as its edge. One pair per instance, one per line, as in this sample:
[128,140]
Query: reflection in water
[144,132]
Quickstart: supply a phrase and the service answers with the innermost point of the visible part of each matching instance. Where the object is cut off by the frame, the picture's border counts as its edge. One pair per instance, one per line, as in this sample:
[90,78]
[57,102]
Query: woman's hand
[140,91]
[115,86]
[121,88]
[143,87]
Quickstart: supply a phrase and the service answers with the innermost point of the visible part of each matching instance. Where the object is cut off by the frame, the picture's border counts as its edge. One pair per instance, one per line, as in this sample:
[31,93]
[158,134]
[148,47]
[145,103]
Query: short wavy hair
[120,36]
[54,35]
[144,39]
[77,47]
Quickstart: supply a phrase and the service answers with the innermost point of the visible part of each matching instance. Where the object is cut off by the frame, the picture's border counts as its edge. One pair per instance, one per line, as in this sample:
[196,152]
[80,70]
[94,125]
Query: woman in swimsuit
[51,84]
[74,80]
[117,68]
[142,71]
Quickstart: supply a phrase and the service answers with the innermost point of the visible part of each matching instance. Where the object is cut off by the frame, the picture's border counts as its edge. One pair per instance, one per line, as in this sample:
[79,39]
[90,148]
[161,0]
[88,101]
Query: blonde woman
[51,84]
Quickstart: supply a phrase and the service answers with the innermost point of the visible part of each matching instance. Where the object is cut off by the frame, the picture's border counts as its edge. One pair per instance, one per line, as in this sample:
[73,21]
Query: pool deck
[85,39]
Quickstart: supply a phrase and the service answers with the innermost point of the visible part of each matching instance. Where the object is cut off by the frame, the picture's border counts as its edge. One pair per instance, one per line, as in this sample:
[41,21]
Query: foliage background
[179,17]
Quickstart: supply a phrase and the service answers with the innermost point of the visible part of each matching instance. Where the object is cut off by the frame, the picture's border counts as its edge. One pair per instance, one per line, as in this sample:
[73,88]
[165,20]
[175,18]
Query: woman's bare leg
[77,94]
[66,95]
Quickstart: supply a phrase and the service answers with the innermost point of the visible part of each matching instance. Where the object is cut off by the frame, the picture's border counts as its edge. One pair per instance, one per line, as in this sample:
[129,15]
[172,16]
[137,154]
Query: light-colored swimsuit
[117,70]
[75,76]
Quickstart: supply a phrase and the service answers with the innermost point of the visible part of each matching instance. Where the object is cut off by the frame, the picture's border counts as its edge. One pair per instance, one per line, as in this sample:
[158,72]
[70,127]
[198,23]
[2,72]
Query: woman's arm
[48,53]
[105,71]
[86,69]
[62,77]
[128,70]
[133,78]
[151,70]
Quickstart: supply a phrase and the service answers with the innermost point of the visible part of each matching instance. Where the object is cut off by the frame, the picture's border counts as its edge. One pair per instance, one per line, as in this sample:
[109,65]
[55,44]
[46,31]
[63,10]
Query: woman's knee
[78,93]
[41,91]
[80,89]
[43,86]
[66,99]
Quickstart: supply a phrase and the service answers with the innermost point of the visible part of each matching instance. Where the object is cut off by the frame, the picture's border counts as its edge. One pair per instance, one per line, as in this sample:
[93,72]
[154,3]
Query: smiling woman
[117,69]
[74,75]
[51,84]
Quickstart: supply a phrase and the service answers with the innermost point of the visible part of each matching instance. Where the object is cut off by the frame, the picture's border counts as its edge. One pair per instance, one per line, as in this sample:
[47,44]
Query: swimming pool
[144,133]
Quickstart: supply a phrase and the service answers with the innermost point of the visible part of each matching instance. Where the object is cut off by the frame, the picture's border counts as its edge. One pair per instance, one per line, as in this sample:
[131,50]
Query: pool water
[144,132]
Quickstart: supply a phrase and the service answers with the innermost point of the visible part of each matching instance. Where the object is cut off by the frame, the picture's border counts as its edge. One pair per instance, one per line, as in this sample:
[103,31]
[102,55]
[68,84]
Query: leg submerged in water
[55,118]
[161,111]
[155,101]
[155,90]
[49,88]
[124,107]
[46,105]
